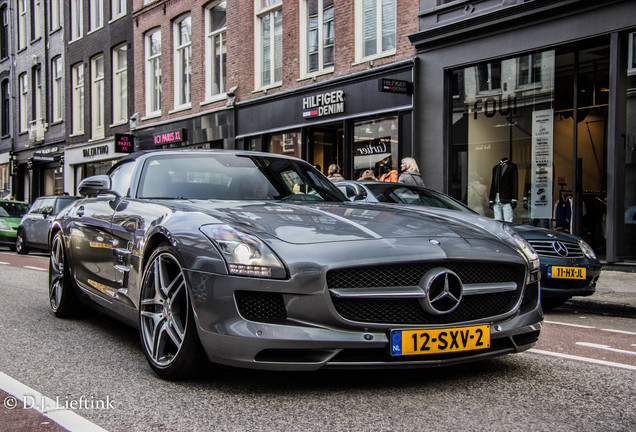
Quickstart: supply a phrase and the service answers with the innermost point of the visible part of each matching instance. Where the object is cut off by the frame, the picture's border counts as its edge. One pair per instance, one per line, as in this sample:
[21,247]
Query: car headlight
[526,248]
[587,250]
[245,254]
[4,225]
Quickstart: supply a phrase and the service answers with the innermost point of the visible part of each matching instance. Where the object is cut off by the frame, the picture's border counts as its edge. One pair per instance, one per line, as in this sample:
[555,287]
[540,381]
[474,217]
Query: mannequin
[503,189]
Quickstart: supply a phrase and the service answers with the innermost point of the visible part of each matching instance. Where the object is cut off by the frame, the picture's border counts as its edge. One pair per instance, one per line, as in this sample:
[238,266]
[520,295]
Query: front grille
[409,310]
[546,248]
[410,274]
[261,306]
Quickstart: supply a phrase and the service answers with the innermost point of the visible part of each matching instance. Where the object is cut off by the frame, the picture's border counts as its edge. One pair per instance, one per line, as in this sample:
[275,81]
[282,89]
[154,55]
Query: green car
[11,213]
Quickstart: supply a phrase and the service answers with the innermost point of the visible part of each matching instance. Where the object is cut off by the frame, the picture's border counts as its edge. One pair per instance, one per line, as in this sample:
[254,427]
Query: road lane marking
[35,268]
[66,418]
[570,325]
[583,359]
[619,331]
[605,347]
[2,262]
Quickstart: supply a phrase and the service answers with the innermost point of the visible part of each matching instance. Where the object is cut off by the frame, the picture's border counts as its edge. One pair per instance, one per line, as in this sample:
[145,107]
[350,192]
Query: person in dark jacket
[503,189]
[410,173]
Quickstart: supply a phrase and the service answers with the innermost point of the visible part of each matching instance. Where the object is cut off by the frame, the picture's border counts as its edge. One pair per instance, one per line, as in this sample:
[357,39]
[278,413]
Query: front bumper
[7,237]
[327,340]
[566,288]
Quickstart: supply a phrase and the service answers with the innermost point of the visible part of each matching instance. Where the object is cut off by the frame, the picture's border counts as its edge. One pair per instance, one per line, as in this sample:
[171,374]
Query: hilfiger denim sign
[323,104]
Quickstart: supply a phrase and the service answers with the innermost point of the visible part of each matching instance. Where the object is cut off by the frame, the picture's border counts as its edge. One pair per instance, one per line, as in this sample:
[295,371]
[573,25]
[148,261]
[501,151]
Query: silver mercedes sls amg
[257,260]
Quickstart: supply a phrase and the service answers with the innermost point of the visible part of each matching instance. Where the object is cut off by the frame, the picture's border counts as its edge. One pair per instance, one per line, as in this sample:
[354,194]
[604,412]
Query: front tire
[166,321]
[20,244]
[62,297]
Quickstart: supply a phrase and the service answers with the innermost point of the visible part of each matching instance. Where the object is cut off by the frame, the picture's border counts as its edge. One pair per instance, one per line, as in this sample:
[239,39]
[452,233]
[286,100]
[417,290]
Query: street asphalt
[615,294]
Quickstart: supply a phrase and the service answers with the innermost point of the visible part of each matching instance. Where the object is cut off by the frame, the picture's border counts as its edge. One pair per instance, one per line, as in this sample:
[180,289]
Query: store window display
[504,189]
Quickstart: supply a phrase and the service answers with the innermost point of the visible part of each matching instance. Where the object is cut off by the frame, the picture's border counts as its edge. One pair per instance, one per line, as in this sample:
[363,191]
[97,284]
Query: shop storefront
[361,122]
[561,116]
[5,175]
[38,172]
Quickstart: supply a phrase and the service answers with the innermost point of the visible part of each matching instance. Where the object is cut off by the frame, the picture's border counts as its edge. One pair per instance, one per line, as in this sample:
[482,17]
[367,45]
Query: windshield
[234,177]
[13,209]
[403,194]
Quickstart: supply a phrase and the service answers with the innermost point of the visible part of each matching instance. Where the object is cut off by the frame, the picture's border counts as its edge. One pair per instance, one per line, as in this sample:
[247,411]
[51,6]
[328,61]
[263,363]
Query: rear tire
[166,320]
[20,244]
[62,297]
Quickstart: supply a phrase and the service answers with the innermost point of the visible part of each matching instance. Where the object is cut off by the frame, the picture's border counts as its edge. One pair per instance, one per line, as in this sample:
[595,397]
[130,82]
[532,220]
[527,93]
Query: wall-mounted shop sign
[395,86]
[373,147]
[170,137]
[45,155]
[92,152]
[324,104]
[124,143]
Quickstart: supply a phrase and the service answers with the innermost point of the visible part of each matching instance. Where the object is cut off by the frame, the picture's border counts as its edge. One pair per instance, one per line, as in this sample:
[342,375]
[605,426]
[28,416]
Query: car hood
[306,223]
[530,232]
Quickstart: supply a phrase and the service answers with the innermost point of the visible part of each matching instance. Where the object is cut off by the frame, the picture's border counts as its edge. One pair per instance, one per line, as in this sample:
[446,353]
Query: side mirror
[96,185]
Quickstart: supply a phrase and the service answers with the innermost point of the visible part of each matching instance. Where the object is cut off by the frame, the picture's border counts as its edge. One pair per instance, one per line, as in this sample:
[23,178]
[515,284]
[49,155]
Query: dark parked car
[569,266]
[257,260]
[33,232]
[11,213]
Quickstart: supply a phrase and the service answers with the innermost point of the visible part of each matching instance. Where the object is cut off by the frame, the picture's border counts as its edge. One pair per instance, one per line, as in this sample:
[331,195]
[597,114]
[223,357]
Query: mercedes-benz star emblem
[443,291]
[560,248]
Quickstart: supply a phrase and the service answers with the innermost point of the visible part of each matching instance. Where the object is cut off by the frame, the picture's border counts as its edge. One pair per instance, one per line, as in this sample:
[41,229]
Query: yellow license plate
[442,340]
[557,272]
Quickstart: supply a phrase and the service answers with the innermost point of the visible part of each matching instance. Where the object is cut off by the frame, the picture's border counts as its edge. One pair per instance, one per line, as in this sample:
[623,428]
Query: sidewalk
[615,295]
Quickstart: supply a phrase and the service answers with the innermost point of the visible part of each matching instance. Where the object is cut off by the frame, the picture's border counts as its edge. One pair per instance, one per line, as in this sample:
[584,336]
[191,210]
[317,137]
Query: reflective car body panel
[11,213]
[349,272]
[35,225]
[543,240]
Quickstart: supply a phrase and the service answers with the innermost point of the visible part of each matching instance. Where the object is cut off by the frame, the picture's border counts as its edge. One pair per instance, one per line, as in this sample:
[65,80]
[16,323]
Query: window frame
[267,9]
[22,24]
[211,37]
[77,103]
[182,62]
[631,55]
[478,78]
[532,75]
[4,31]
[77,24]
[56,14]
[153,81]
[36,20]
[304,56]
[23,88]
[96,15]
[379,21]
[117,9]
[120,85]
[97,97]
[57,88]
[36,95]
[5,100]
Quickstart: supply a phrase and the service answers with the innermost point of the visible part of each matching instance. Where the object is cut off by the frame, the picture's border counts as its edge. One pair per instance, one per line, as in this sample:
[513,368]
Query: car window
[233,177]
[121,178]
[35,208]
[13,209]
[61,203]
[415,196]
[47,206]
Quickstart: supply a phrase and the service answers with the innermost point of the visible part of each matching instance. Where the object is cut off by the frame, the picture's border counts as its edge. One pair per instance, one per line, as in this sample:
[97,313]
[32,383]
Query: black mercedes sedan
[569,266]
[257,260]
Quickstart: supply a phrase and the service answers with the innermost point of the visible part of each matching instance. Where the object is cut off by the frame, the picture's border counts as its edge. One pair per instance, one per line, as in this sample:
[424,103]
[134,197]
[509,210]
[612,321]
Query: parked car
[11,213]
[257,260]
[33,232]
[569,266]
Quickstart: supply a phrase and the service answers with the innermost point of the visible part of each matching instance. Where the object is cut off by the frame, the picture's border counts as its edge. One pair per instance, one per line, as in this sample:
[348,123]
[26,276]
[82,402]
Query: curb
[597,307]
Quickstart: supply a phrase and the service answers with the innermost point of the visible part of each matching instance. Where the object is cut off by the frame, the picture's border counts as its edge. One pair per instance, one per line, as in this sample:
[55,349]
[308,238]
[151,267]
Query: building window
[489,77]
[375,146]
[78,99]
[118,9]
[289,143]
[24,91]
[153,73]
[318,21]
[97,97]
[182,57]
[36,19]
[269,43]
[375,28]
[120,84]
[530,70]
[5,108]
[77,14]
[631,57]
[56,14]
[96,14]
[4,32]
[22,24]
[215,50]
[57,90]
[36,94]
